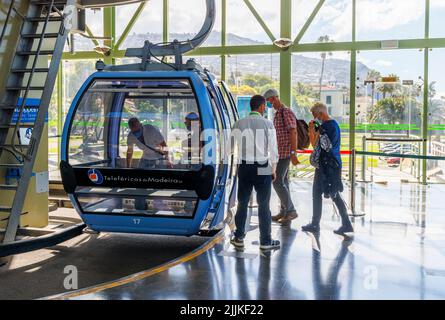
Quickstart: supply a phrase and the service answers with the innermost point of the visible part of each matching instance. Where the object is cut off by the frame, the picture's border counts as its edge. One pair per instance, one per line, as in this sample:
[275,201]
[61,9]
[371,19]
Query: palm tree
[391,89]
[373,75]
[324,55]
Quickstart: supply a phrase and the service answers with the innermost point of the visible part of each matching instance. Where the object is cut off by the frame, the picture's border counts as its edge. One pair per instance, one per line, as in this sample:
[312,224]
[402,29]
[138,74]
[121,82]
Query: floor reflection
[328,288]
[402,235]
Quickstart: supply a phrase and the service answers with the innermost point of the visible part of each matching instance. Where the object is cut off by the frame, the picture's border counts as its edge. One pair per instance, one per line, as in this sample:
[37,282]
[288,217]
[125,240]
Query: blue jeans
[248,178]
[317,202]
[139,203]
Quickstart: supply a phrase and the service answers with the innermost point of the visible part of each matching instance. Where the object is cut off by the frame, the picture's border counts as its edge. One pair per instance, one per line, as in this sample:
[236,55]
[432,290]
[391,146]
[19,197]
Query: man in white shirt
[256,140]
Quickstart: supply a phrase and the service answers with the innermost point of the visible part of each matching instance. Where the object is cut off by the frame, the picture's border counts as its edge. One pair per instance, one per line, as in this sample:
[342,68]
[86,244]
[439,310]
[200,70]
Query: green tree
[303,97]
[390,110]
[373,75]
[391,89]
[243,90]
[255,80]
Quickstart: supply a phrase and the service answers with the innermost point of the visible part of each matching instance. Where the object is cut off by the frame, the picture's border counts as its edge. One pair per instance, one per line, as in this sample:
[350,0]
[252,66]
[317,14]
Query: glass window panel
[123,16]
[390,19]
[301,10]
[187,17]
[333,20]
[94,21]
[389,108]
[437,16]
[166,109]
[436,119]
[270,13]
[149,202]
[147,27]
[248,75]
[211,63]
[242,26]
[332,70]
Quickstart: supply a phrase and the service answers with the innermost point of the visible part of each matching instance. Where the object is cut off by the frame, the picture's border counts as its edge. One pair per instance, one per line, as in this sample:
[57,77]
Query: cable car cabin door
[222,192]
[233,112]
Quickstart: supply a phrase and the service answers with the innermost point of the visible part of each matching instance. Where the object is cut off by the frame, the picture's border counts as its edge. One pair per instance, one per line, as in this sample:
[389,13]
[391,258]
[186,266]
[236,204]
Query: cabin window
[167,110]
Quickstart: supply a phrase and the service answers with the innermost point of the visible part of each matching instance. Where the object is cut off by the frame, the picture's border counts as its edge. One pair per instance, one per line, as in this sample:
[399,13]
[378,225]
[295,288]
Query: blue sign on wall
[243,105]
[29,113]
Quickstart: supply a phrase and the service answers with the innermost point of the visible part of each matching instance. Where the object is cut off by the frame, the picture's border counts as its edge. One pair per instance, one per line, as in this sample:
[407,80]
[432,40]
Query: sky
[376,20]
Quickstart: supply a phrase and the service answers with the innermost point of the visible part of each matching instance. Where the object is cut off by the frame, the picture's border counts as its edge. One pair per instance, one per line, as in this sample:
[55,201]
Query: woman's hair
[319,107]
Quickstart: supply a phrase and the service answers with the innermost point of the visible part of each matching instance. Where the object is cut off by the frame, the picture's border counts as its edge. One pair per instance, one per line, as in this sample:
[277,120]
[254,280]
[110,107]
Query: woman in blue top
[331,128]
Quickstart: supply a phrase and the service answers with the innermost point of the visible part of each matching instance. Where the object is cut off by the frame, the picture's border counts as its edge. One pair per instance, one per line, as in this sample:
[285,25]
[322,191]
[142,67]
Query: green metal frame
[308,22]
[130,25]
[224,50]
[260,20]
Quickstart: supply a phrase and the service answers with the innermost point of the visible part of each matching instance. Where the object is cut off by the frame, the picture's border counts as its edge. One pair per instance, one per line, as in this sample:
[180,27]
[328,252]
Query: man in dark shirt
[332,129]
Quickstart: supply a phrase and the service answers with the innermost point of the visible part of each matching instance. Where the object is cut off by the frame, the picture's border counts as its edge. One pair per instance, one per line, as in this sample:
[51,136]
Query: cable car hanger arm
[175,48]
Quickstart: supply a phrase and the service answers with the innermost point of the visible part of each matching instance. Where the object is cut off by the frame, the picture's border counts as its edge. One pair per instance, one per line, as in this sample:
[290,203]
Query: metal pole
[59,109]
[425,94]
[354,212]
[108,33]
[352,91]
[364,159]
[165,21]
[352,195]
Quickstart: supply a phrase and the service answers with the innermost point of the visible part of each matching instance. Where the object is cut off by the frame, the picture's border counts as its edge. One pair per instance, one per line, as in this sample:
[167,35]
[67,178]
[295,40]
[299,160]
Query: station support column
[286,56]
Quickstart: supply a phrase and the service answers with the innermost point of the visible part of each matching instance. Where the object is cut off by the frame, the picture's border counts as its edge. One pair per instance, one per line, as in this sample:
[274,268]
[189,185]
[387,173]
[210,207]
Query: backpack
[303,135]
[302,132]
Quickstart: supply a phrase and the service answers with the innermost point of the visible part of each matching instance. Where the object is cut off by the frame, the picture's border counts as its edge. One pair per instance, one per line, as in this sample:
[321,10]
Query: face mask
[138,133]
[268,104]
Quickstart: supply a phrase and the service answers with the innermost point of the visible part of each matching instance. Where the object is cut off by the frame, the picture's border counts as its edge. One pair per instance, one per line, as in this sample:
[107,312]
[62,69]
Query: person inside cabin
[150,140]
[191,145]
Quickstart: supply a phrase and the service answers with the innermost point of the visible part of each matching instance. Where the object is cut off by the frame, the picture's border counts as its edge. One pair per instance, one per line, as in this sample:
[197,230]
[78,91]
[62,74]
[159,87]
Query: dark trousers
[248,178]
[281,186]
[317,202]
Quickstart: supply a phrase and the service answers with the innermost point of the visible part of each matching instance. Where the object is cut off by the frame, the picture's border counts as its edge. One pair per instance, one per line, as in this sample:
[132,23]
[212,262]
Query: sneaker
[239,243]
[277,217]
[343,231]
[311,228]
[274,244]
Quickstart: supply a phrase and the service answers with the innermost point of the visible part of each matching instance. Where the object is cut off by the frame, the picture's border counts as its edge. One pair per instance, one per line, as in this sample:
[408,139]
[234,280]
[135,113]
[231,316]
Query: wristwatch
[292,152]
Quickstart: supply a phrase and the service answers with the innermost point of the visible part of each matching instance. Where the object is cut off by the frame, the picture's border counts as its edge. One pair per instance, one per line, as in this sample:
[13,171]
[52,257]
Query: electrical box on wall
[389,44]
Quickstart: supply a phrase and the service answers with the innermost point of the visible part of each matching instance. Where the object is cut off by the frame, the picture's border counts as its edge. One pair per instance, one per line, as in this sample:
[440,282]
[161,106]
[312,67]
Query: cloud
[382,15]
[383,63]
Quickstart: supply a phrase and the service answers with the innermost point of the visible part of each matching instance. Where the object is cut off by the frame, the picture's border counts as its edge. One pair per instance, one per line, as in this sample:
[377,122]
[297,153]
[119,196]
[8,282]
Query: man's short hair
[256,101]
[270,93]
[319,107]
[132,122]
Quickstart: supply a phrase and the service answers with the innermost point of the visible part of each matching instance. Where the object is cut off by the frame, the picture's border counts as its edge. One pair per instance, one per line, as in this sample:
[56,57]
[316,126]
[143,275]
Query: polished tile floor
[398,253]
